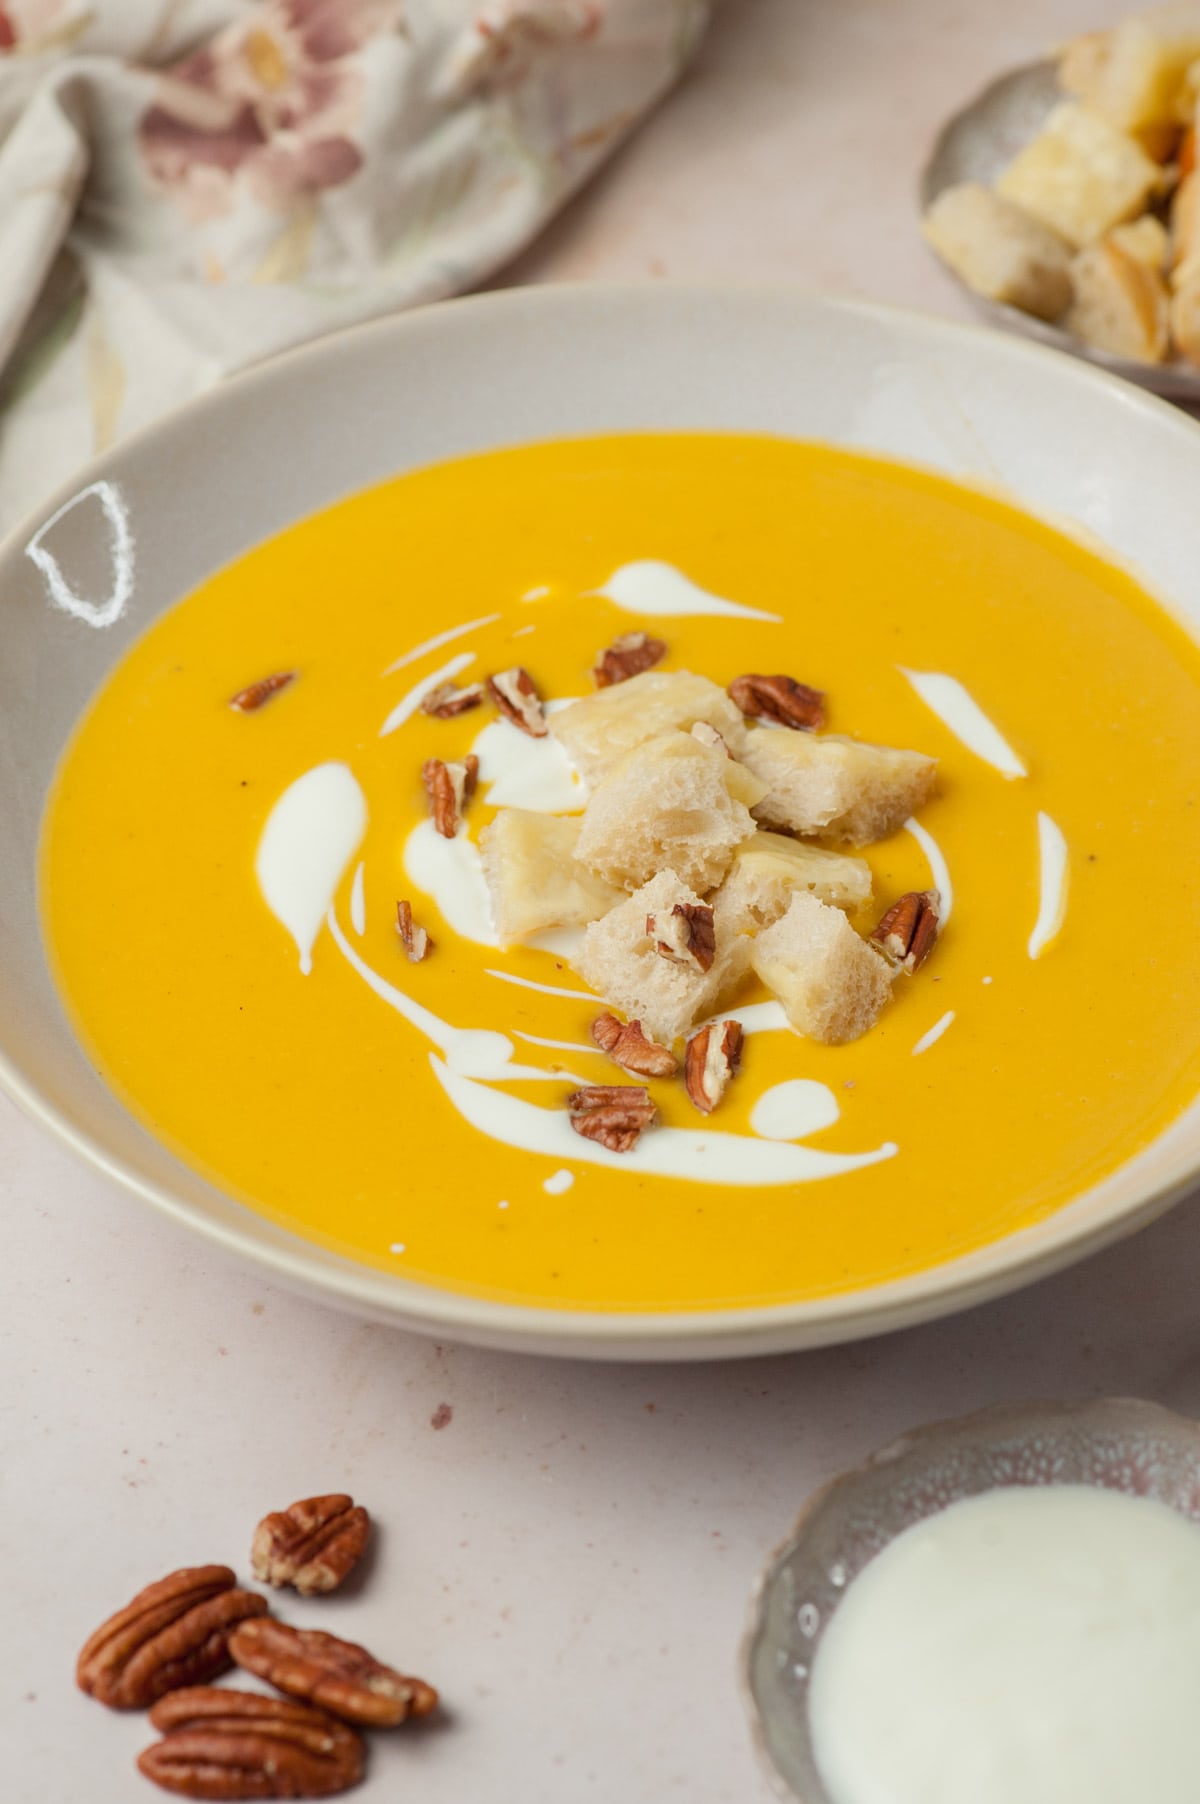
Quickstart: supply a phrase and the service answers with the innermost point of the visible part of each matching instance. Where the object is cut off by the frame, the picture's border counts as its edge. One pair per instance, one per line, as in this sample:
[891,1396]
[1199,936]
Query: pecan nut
[711,1061]
[251,699]
[173,1633]
[687,935]
[236,1744]
[416,941]
[313,1545]
[627,1046]
[627,657]
[336,1675]
[516,697]
[908,929]
[613,1115]
[450,787]
[448,700]
[781,699]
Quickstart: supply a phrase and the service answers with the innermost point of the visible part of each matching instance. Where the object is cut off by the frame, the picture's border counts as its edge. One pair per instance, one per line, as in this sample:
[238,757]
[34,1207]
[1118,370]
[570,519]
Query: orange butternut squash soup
[956,710]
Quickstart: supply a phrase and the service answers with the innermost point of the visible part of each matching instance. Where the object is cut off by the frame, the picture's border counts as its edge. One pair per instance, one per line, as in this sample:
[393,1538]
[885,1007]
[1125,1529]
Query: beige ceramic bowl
[1117,1444]
[143,527]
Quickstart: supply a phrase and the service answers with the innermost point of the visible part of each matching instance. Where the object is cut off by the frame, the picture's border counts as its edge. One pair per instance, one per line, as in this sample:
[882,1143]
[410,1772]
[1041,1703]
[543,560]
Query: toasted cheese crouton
[533,879]
[1144,239]
[831,983]
[1185,228]
[598,730]
[1185,318]
[999,250]
[670,803]
[618,959]
[1080,176]
[769,869]
[842,789]
[1120,304]
[1136,74]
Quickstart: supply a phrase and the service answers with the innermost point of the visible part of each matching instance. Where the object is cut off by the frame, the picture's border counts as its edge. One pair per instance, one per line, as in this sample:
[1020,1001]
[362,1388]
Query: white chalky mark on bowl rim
[94,613]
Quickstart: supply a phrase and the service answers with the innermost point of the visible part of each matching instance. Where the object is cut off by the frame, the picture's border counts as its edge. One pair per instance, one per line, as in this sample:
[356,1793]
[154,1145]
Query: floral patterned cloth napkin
[187,186]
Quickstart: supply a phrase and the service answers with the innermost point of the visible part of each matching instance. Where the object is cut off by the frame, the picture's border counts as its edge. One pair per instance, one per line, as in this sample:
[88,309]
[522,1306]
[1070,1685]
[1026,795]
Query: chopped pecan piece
[450,787]
[627,657]
[514,694]
[907,930]
[236,1744]
[687,935]
[312,1545]
[448,699]
[708,735]
[417,942]
[781,699]
[250,699]
[712,1058]
[611,1114]
[175,1632]
[336,1675]
[627,1046]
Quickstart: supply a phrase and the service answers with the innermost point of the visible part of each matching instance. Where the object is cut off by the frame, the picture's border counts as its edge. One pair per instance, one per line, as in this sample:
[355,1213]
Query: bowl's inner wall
[507,369]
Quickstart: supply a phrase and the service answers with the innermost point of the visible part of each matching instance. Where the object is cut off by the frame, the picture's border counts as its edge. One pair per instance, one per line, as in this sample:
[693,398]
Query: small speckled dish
[974,146]
[1118,1444]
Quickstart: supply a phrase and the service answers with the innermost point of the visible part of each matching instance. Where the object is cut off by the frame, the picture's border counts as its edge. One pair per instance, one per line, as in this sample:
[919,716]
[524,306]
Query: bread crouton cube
[842,789]
[1080,176]
[670,803]
[1120,304]
[770,868]
[1185,229]
[601,728]
[1136,74]
[1144,239]
[619,961]
[533,879]
[831,983]
[999,250]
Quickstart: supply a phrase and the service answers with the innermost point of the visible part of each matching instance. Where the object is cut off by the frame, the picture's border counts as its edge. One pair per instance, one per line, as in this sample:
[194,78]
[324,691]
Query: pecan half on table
[175,1632]
[781,699]
[235,1744]
[313,1545]
[339,1676]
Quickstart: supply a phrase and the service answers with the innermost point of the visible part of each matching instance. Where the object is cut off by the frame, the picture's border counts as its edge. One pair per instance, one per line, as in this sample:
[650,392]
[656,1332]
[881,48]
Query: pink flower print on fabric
[269,104]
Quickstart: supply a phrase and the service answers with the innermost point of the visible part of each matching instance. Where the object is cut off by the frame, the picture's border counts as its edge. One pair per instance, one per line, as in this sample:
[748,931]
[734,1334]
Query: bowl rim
[1142,1415]
[616,1334]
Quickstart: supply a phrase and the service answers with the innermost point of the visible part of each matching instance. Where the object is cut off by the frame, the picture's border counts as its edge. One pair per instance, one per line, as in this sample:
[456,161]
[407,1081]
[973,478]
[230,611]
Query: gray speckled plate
[974,146]
[1118,1444]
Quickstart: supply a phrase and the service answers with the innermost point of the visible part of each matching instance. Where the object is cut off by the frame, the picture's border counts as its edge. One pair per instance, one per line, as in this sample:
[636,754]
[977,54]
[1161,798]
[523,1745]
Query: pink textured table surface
[569,1555]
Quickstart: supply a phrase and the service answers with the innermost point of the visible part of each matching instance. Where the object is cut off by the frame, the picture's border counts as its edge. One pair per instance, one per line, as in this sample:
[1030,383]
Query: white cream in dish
[1027,1646]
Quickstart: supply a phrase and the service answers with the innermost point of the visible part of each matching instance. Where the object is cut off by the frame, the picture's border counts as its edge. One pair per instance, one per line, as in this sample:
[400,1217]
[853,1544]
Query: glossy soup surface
[317,1101]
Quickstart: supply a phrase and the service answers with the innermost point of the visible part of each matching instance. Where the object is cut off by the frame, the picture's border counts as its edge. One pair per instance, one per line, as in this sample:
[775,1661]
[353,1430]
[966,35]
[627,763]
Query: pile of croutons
[1096,224]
